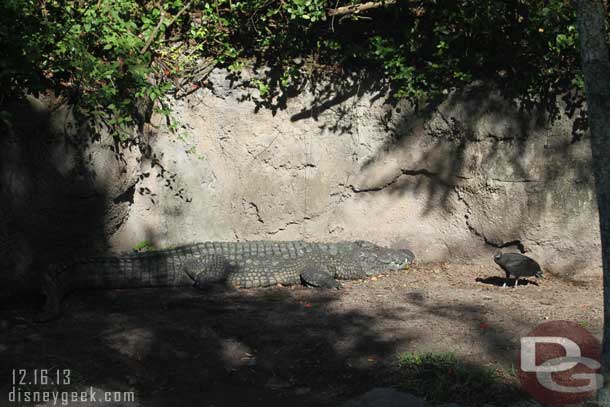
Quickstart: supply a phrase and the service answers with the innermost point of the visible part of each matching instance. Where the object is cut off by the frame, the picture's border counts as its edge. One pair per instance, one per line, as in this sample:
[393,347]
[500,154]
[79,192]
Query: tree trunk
[596,71]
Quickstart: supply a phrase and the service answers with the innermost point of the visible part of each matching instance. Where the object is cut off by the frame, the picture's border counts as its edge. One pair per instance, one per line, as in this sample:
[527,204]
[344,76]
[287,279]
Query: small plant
[143,246]
[441,378]
[263,88]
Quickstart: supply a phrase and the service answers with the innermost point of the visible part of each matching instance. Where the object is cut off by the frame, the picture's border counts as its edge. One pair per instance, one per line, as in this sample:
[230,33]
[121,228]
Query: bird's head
[497,256]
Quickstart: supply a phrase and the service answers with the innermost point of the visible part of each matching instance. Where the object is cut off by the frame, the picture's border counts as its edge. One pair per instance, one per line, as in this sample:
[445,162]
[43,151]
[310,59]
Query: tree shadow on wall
[482,137]
[485,113]
[65,189]
[478,141]
[67,185]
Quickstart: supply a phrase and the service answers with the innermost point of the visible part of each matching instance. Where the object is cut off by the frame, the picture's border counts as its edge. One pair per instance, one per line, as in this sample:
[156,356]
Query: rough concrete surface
[451,182]
[471,176]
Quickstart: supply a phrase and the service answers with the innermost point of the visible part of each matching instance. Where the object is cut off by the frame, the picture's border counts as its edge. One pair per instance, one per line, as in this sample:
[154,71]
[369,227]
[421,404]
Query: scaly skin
[237,264]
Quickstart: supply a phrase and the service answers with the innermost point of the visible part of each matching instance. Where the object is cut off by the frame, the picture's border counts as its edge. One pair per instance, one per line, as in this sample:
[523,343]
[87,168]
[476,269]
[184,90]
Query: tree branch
[358,8]
[155,32]
[153,35]
[179,13]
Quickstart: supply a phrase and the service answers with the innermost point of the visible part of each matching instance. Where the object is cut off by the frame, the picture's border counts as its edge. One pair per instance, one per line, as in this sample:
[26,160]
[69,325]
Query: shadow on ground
[499,281]
[268,347]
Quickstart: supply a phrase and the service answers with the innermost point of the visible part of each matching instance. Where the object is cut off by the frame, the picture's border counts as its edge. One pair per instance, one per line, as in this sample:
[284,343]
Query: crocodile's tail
[156,269]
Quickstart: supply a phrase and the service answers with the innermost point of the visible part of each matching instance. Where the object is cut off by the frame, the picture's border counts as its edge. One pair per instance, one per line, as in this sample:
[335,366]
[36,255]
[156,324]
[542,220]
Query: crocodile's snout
[401,266]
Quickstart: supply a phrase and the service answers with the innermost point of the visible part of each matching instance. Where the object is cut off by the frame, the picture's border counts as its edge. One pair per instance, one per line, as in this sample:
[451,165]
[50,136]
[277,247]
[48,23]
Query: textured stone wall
[62,194]
[452,182]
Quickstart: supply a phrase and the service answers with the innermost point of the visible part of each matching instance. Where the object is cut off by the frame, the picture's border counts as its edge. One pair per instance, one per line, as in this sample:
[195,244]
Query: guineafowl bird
[517,265]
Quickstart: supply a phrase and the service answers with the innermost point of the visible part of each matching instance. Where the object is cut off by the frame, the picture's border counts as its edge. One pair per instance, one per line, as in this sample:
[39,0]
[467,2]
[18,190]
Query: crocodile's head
[376,259]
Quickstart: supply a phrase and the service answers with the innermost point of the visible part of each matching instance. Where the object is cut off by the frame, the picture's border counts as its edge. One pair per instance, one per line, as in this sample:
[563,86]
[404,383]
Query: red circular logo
[559,363]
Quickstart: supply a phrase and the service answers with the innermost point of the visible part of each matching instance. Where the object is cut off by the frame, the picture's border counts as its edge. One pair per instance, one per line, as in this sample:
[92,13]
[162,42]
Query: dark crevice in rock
[278,230]
[126,196]
[514,180]
[258,215]
[302,221]
[476,232]
[496,244]
[426,173]
[516,243]
[405,172]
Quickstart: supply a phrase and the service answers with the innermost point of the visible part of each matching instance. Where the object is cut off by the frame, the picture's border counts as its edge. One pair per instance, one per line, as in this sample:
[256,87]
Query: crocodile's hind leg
[316,277]
[209,270]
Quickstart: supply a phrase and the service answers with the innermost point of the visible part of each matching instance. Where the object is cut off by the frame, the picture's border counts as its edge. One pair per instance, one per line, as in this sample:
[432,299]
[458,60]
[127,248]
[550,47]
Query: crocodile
[235,264]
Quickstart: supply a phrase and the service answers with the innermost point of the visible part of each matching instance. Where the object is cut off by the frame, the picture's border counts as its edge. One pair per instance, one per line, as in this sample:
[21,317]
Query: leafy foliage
[107,55]
[88,52]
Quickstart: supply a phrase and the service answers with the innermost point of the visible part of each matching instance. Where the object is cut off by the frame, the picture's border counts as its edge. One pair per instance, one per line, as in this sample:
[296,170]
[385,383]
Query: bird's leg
[516,281]
[507,279]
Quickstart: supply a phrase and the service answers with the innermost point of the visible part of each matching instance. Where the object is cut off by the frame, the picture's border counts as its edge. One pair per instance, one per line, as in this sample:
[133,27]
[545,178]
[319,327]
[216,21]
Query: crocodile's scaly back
[167,267]
[239,264]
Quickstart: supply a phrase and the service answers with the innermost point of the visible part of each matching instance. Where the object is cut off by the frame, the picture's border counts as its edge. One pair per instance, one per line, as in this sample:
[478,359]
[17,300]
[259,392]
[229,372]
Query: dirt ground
[288,345]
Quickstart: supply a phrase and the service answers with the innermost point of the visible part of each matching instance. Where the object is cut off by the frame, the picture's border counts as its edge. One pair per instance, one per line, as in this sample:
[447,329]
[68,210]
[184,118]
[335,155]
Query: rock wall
[453,182]
[62,193]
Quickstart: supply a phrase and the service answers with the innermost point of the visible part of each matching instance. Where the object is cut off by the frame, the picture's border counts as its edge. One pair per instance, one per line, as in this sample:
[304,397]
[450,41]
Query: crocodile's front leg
[319,276]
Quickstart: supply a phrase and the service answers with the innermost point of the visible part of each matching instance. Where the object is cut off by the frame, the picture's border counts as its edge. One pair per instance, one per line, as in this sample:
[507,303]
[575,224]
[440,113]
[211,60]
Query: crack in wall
[282,228]
[481,235]
[256,212]
[409,173]
[289,167]
[516,181]
[304,219]
[252,209]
